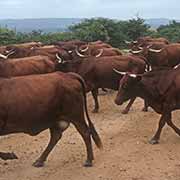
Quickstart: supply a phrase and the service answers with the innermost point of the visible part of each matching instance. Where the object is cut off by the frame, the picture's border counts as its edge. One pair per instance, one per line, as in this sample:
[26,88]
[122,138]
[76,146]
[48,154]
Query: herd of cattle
[44,86]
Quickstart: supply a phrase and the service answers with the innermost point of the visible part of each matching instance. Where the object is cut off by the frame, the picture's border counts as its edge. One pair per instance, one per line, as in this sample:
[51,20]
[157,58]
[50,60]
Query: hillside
[58,24]
[46,25]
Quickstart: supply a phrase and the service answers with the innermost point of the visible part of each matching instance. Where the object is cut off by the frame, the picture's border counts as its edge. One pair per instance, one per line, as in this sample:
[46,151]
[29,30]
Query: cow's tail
[93,131]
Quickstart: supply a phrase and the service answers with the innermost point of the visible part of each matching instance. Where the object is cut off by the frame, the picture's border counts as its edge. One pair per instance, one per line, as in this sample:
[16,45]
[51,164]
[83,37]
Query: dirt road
[126,155]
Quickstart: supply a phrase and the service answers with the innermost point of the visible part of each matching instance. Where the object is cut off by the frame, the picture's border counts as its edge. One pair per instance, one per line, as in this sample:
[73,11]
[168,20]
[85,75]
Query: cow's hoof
[145,110]
[125,112]
[8,156]
[95,111]
[12,156]
[154,141]
[38,164]
[88,163]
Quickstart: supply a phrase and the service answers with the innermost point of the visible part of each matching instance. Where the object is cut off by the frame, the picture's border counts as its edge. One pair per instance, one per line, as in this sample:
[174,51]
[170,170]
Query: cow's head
[130,44]
[141,49]
[127,86]
[66,65]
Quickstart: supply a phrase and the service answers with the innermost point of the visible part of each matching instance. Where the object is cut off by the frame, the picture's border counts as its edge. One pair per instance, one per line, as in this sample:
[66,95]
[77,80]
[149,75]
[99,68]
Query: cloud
[89,8]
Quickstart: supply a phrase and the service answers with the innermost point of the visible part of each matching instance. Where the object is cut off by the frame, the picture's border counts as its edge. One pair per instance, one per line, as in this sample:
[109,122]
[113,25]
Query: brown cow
[26,66]
[144,50]
[168,56]
[70,43]
[161,90]
[24,45]
[50,101]
[99,73]
[90,47]
[146,41]
[50,51]
[28,45]
[101,52]
[149,39]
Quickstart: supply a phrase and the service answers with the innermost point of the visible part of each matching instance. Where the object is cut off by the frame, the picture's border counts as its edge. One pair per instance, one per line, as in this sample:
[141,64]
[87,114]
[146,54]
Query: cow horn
[7,51]
[127,42]
[141,48]
[100,53]
[85,49]
[149,46]
[135,42]
[59,59]
[155,50]
[10,53]
[124,73]
[132,75]
[136,52]
[175,67]
[119,72]
[78,53]
[3,56]
[70,51]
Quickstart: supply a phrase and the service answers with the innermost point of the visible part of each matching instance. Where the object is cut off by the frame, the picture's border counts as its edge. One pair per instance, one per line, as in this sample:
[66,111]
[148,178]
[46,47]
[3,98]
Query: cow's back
[27,66]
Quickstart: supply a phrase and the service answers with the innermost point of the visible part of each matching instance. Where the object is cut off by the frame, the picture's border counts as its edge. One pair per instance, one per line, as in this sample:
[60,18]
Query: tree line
[111,31]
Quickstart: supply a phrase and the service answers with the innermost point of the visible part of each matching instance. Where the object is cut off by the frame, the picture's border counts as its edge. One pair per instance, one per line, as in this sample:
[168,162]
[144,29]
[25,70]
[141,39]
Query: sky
[116,9]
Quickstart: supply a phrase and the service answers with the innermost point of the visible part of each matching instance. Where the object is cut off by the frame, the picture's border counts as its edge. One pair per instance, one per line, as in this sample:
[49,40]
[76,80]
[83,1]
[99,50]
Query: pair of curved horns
[124,73]
[129,42]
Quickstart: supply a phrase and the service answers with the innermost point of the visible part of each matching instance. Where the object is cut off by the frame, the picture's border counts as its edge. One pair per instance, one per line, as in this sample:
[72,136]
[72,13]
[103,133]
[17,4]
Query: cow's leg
[145,108]
[172,125]
[84,131]
[127,108]
[162,122]
[95,97]
[56,134]
[3,155]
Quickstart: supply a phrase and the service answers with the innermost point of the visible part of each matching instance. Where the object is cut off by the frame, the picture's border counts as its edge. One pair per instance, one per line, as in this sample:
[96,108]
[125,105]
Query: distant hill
[46,25]
[58,24]
[155,23]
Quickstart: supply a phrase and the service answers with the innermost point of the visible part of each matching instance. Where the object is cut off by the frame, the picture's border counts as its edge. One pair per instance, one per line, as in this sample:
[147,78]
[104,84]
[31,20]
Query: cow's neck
[2,67]
[151,96]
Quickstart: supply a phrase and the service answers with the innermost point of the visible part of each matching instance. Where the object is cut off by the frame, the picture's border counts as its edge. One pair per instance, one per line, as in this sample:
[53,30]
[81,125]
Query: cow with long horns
[49,101]
[99,73]
[168,56]
[51,51]
[160,88]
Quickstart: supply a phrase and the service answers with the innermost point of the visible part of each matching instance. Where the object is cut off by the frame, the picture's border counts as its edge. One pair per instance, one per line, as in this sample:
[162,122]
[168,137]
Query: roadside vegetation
[111,31]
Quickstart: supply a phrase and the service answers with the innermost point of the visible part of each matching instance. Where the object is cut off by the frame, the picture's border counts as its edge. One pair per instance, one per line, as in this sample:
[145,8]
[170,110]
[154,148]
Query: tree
[7,36]
[90,30]
[170,31]
[136,28]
